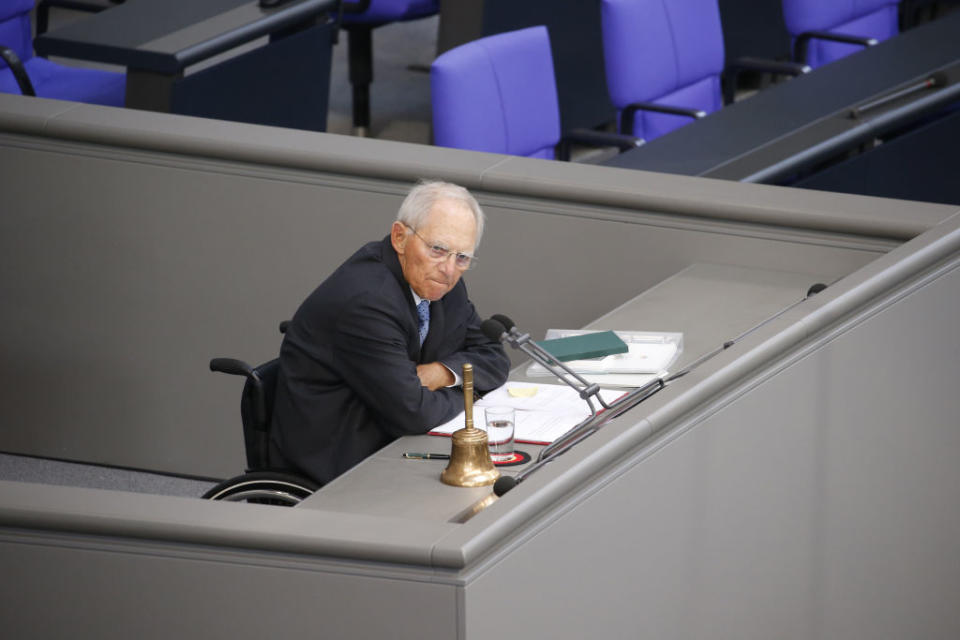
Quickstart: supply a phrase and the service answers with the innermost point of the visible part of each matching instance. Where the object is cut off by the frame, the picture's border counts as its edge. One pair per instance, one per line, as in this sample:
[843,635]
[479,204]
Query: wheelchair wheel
[264,487]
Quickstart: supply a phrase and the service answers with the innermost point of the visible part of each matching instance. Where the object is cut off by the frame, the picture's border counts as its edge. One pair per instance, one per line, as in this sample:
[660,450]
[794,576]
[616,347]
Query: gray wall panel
[166,240]
[94,590]
[125,279]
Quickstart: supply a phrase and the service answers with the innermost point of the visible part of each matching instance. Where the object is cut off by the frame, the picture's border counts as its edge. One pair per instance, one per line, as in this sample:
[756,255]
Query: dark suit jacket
[348,383]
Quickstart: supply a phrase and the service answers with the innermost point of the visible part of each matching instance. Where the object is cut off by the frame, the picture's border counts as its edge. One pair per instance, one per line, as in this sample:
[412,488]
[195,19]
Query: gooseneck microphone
[500,327]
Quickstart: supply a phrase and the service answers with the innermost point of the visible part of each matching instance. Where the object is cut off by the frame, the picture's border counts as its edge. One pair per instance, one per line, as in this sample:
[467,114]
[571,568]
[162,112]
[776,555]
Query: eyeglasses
[440,253]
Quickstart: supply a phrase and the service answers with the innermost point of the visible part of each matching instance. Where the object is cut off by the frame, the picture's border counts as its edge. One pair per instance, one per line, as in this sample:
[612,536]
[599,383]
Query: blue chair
[23,73]
[826,30]
[359,19]
[499,94]
[665,65]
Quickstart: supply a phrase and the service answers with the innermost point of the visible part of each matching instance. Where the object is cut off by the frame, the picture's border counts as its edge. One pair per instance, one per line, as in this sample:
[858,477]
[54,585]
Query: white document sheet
[619,380]
[544,412]
[532,427]
[557,398]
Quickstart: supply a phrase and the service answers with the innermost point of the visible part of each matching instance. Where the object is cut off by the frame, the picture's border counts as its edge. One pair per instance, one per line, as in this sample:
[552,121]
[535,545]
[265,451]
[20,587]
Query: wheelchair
[260,484]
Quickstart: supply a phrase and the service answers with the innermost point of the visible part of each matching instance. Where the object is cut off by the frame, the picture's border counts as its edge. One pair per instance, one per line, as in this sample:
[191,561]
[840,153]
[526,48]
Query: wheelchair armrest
[732,73]
[803,40]
[231,366]
[626,116]
[255,385]
[592,138]
[16,68]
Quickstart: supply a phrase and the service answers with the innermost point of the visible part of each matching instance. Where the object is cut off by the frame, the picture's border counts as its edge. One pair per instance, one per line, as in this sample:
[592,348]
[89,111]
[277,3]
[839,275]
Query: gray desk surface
[708,303]
[167,35]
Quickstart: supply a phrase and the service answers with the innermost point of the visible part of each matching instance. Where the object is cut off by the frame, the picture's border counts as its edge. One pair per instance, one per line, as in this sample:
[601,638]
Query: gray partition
[795,486]
[139,245]
[800,484]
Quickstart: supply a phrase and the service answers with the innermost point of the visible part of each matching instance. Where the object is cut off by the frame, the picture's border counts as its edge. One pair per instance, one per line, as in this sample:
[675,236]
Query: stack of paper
[649,354]
[544,412]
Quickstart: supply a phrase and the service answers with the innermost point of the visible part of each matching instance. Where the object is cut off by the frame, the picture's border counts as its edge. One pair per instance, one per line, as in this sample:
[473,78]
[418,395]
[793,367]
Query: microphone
[503,484]
[495,328]
[507,323]
[815,289]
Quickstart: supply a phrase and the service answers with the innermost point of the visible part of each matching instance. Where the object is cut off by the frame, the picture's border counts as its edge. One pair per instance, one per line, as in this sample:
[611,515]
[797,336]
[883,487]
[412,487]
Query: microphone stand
[587,391]
[496,328]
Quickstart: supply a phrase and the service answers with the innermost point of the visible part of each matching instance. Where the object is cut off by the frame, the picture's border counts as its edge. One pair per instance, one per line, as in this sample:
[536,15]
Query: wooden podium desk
[709,303]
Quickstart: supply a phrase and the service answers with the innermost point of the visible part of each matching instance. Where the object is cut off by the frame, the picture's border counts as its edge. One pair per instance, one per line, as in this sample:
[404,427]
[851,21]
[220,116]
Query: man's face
[450,224]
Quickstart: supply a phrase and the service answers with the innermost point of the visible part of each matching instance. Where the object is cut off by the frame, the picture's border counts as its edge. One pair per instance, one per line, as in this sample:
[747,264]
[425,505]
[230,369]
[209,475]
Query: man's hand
[435,376]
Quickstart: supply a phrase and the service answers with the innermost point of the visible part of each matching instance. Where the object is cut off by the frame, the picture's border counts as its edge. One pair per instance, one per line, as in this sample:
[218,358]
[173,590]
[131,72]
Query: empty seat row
[664,65]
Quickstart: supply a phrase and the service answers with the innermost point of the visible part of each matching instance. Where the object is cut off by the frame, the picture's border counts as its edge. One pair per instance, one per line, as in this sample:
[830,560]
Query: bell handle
[468,394]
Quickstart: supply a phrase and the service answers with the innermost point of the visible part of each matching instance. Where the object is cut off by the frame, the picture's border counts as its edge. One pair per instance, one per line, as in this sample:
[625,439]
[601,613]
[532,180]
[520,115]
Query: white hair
[419,202]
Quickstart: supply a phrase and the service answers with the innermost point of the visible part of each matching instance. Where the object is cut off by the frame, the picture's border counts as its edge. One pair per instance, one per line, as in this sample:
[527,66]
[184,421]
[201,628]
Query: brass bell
[470,464]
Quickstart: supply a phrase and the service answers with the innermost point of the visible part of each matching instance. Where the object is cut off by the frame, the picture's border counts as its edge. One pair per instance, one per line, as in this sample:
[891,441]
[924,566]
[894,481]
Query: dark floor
[18,468]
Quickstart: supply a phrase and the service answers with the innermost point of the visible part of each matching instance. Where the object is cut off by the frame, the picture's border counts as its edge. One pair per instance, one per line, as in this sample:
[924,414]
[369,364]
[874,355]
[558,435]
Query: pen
[426,456]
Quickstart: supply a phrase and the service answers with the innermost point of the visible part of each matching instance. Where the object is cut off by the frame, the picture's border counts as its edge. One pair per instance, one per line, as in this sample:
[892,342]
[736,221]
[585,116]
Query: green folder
[588,345]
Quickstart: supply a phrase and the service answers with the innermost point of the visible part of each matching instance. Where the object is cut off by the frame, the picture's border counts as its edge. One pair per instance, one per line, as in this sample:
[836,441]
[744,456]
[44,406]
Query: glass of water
[500,425]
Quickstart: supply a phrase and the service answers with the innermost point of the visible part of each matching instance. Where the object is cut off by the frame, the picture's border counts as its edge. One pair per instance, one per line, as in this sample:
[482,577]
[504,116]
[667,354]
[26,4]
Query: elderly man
[375,351]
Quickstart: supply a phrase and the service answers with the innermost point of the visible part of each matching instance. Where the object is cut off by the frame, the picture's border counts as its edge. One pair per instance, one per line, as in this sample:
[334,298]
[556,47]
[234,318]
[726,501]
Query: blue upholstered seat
[49,79]
[665,63]
[383,11]
[665,53]
[497,94]
[875,19]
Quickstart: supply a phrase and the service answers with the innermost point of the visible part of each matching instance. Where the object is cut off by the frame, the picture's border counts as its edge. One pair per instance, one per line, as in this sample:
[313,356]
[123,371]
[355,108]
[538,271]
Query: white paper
[532,427]
[640,358]
[541,418]
[620,380]
[556,398]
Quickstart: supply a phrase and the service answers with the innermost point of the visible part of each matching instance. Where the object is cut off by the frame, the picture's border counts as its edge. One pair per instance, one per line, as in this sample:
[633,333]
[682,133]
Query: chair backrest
[15,28]
[663,51]
[256,411]
[497,94]
[49,79]
[867,18]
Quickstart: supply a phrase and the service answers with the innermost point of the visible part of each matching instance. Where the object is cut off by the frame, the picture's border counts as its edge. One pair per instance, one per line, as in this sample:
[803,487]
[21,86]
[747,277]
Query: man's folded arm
[436,375]
[491,366]
[371,353]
